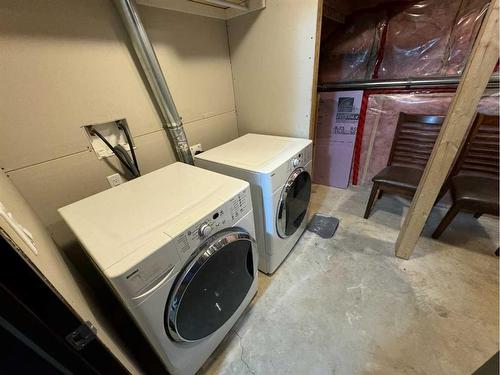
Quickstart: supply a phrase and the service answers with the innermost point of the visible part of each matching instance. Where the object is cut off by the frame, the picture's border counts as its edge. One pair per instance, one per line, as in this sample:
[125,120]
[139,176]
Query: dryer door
[292,206]
[212,286]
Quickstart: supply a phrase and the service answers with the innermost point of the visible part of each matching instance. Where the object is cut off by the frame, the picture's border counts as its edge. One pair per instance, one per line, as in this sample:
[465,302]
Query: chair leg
[447,219]
[477,215]
[371,200]
[380,192]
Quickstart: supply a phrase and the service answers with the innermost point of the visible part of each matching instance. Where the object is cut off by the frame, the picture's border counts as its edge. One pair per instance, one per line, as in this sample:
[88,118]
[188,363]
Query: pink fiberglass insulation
[347,53]
[382,116]
[422,38]
[417,39]
[462,37]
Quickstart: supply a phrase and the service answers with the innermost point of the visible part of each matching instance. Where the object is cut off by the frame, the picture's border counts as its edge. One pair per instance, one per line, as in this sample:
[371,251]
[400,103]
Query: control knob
[205,230]
[295,162]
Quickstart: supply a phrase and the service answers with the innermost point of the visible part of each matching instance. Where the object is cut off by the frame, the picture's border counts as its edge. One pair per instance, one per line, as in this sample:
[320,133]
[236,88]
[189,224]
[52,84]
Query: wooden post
[482,60]
[314,97]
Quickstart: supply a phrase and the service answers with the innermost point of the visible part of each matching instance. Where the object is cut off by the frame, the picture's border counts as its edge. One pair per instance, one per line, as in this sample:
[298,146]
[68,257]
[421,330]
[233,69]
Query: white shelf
[204,8]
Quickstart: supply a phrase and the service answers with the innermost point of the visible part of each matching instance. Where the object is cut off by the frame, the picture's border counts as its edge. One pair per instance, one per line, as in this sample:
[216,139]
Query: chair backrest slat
[416,151]
[414,139]
[409,162]
[480,154]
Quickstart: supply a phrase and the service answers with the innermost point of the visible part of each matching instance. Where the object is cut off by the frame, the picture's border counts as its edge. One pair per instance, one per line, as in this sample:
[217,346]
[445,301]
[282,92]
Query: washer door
[212,286]
[292,206]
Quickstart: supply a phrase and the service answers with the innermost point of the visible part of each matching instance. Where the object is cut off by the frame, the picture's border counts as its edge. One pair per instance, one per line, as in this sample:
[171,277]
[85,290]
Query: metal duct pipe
[149,63]
[400,83]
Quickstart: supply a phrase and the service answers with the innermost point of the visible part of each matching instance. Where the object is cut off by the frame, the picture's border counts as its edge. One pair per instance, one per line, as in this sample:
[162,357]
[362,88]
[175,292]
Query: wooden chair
[413,142]
[474,178]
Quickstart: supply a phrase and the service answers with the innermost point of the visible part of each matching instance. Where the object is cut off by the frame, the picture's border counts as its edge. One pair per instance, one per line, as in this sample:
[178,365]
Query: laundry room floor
[347,305]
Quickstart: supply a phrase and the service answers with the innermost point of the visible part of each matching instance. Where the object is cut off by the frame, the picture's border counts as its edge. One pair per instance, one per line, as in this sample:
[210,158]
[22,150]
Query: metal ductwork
[149,63]
[409,83]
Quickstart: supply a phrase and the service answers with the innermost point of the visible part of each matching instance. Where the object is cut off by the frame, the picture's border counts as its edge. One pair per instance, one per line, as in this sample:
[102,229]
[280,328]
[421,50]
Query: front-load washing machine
[279,172]
[177,246]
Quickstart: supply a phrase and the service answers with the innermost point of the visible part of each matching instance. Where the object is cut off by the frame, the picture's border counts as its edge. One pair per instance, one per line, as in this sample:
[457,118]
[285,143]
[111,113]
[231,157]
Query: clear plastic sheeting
[402,39]
[430,38]
[462,37]
[382,116]
[349,52]
[417,39]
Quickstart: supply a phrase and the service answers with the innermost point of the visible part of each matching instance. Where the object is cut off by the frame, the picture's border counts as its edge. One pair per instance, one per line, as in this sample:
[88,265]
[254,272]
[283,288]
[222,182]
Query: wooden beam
[482,60]
[314,89]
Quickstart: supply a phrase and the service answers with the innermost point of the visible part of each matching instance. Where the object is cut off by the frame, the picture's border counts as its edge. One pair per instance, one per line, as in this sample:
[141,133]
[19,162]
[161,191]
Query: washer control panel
[210,224]
[223,217]
[239,205]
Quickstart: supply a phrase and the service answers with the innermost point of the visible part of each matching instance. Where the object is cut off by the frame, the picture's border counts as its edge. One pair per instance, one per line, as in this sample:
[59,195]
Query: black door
[35,323]
[212,286]
[292,206]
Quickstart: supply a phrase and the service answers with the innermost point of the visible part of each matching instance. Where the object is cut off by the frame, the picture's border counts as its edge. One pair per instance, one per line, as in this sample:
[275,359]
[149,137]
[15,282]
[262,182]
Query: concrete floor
[347,305]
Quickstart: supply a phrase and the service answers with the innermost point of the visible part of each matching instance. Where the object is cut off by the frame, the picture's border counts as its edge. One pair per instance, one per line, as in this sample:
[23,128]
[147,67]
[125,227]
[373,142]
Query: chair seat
[476,192]
[399,176]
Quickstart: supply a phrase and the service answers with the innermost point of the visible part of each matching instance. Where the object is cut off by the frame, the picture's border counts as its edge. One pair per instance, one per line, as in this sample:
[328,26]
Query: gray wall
[66,63]
[273,58]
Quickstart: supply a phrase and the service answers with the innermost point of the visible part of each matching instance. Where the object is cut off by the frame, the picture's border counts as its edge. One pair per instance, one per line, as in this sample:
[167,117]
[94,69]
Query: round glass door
[211,287]
[292,207]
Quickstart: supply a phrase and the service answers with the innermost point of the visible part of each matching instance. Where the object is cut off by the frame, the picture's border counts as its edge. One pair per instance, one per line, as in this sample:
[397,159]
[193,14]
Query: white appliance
[278,170]
[177,247]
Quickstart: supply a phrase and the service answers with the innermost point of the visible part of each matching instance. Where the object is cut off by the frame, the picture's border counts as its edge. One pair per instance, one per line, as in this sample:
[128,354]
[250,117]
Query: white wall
[272,58]
[67,63]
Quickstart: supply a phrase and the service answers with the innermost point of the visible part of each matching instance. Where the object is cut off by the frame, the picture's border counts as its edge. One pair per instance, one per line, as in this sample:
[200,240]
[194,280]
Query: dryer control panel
[300,159]
[280,175]
[223,217]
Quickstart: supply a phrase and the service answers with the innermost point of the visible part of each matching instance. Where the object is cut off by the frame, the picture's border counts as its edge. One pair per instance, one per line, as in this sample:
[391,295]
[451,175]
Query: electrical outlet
[115,180]
[196,149]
